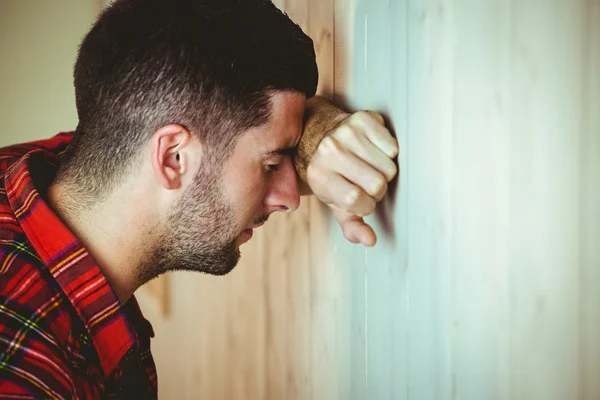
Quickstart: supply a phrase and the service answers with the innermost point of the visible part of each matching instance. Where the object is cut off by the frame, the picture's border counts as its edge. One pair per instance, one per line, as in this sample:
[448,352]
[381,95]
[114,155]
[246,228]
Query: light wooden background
[484,284]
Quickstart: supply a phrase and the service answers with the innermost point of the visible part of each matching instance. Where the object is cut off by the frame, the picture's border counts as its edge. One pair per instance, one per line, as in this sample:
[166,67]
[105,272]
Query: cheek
[247,198]
[254,199]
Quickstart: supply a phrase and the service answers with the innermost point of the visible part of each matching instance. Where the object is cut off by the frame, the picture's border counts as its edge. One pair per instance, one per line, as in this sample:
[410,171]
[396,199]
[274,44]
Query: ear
[171,155]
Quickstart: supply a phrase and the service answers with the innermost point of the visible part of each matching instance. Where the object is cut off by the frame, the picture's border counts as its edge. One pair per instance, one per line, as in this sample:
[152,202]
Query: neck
[110,230]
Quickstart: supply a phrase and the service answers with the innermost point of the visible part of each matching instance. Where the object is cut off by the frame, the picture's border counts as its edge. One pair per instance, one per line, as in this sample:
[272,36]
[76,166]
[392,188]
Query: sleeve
[21,381]
[10,389]
[31,365]
[320,117]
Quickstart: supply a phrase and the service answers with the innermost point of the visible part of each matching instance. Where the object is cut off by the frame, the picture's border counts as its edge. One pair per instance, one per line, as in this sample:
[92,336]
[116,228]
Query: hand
[350,171]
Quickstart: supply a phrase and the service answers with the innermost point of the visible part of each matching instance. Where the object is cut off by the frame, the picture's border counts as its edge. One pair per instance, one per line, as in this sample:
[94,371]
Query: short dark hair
[208,65]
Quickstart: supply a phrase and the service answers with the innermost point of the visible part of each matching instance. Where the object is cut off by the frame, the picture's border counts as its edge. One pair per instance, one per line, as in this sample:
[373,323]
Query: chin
[221,271]
[227,262]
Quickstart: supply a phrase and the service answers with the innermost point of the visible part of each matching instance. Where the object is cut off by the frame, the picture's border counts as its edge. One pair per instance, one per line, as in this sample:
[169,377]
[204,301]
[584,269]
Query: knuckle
[364,114]
[370,207]
[382,191]
[361,116]
[351,198]
[377,186]
[347,132]
[391,172]
[381,195]
[317,179]
[396,146]
[378,117]
[369,115]
[329,145]
[311,173]
[394,150]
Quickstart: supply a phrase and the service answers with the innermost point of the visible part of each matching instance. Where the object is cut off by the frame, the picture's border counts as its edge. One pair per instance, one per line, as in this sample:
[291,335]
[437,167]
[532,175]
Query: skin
[176,212]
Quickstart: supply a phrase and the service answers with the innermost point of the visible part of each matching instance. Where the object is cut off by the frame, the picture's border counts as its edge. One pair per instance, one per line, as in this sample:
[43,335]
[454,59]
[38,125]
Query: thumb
[354,228]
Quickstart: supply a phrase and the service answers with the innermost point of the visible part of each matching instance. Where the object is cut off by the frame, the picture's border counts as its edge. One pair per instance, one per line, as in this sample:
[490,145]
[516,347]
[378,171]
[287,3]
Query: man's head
[219,208]
[196,93]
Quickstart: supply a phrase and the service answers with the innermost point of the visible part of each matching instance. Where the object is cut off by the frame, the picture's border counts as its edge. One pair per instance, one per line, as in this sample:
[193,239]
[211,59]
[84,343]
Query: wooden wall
[484,284]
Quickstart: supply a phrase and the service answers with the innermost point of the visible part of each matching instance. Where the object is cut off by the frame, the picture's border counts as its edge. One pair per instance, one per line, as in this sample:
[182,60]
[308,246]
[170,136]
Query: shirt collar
[69,262]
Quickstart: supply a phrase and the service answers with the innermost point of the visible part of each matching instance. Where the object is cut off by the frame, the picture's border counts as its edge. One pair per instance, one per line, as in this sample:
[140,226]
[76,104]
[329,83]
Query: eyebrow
[287,151]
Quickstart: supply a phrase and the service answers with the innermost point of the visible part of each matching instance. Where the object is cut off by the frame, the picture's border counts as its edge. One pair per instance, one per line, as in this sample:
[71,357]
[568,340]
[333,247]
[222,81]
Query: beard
[200,233]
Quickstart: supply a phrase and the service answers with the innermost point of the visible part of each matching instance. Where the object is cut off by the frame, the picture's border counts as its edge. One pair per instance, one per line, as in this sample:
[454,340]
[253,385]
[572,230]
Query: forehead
[284,127]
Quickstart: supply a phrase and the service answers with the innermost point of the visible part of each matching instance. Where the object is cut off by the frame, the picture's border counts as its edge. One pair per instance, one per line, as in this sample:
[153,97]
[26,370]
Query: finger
[362,147]
[364,232]
[365,176]
[375,130]
[376,116]
[352,169]
[338,191]
[355,229]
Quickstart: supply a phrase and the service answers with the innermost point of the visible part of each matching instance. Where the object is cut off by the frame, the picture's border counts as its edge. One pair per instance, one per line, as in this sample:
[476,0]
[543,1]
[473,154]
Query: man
[191,115]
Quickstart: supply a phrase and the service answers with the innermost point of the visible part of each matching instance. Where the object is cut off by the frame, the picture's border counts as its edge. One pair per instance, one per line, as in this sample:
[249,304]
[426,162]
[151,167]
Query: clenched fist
[351,166]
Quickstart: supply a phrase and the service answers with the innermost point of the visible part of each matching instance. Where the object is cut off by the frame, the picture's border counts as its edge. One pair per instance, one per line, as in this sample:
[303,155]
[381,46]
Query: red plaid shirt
[63,332]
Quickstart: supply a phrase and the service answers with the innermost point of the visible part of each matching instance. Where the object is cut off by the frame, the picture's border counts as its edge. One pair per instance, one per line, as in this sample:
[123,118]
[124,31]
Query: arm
[32,364]
[346,161]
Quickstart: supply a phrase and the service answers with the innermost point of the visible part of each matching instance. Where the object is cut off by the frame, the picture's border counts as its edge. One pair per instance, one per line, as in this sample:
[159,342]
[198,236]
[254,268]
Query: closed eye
[272,167]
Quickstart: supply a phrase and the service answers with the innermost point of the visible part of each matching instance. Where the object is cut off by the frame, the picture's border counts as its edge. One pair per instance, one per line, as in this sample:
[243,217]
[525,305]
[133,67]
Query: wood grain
[483,283]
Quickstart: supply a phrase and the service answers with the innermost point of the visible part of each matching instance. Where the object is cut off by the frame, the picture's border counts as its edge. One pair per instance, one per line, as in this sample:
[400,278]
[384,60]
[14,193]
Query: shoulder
[30,304]
[30,298]
[9,156]
[35,321]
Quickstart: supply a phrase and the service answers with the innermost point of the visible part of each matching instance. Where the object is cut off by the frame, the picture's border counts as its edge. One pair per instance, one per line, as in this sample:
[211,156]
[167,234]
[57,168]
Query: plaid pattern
[63,332]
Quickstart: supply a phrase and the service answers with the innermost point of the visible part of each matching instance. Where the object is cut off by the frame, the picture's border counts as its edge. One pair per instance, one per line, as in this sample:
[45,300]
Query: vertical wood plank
[374,75]
[480,193]
[546,131]
[427,181]
[276,287]
[247,322]
[289,328]
[589,316]
[299,329]
[322,292]
[349,259]
[299,353]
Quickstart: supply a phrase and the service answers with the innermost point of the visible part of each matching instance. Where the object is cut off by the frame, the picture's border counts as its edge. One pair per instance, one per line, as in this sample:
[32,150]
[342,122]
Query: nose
[282,193]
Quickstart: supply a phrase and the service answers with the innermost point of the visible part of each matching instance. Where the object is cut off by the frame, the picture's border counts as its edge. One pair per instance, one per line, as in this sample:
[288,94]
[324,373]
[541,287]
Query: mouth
[248,233]
[244,237]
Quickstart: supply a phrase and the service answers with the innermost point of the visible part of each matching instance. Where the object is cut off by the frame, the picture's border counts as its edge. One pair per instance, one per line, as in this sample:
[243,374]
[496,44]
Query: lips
[248,233]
